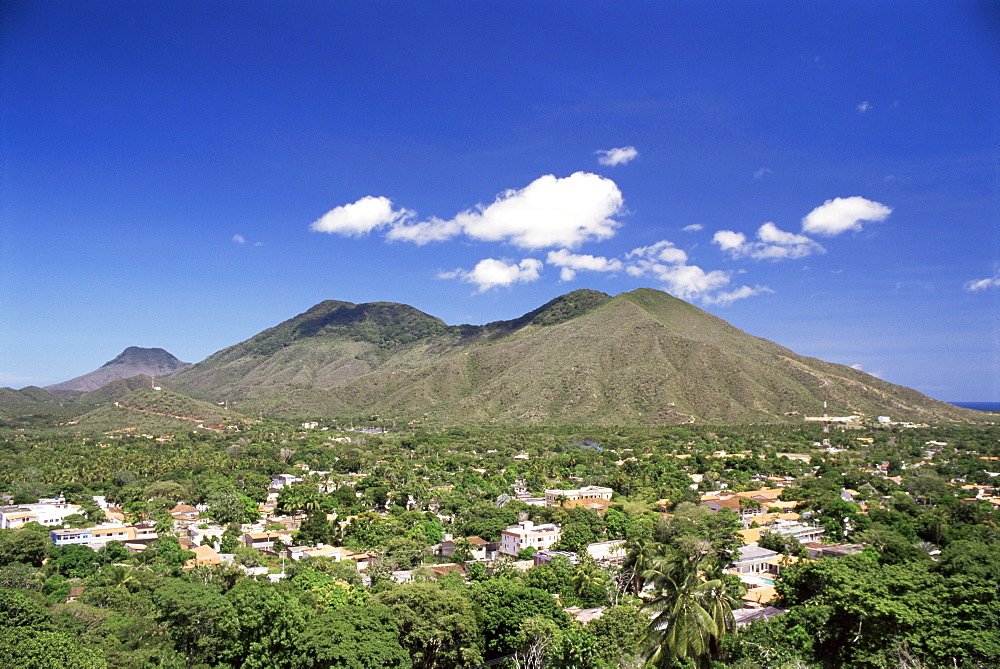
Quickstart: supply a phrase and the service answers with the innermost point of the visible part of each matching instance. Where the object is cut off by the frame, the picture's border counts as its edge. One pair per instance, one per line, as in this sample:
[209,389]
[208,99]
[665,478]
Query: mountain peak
[146,356]
[133,361]
[385,324]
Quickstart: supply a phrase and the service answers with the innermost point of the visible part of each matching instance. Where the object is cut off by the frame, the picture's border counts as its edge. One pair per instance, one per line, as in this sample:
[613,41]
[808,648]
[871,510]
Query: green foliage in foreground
[923,594]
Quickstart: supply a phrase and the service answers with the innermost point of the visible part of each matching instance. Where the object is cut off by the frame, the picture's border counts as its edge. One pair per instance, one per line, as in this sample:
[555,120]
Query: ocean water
[978,406]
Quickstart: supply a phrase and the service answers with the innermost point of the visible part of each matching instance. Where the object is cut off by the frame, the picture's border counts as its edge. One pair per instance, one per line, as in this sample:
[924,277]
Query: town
[583,530]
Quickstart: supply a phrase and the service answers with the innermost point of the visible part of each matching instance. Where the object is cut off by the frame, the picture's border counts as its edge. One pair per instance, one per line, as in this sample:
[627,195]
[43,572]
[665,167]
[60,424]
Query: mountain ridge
[641,357]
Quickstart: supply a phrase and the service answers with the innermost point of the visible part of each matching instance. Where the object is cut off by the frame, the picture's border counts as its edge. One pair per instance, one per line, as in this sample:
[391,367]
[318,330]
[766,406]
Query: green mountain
[642,357]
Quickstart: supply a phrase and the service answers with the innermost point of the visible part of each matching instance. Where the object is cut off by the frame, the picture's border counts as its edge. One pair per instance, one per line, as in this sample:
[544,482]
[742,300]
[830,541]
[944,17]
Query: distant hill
[115,390]
[642,357]
[133,361]
[156,410]
[27,398]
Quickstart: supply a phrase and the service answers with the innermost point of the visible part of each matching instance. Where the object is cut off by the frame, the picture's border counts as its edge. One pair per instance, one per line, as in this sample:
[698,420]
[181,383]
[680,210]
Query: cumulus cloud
[548,212]
[618,156]
[361,217]
[864,106]
[667,264]
[690,281]
[730,241]
[842,214]
[570,263]
[239,239]
[761,173]
[694,227]
[726,298]
[434,230]
[982,284]
[490,273]
[772,243]
[663,251]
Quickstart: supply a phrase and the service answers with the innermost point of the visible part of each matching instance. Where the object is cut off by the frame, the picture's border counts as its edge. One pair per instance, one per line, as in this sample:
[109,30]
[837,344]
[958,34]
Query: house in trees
[528,535]
[560,497]
[264,541]
[204,556]
[477,547]
[96,536]
[52,514]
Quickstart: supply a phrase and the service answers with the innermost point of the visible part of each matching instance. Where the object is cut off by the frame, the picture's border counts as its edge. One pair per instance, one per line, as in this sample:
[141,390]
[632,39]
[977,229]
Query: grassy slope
[640,357]
[149,410]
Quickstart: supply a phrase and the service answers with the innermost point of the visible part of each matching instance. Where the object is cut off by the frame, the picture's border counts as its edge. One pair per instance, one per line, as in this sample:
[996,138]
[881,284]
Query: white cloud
[694,227]
[864,106]
[761,173]
[571,263]
[773,244]
[490,273]
[690,281]
[618,156]
[668,265]
[239,239]
[842,214]
[982,284]
[730,241]
[361,217]
[663,251]
[434,230]
[776,244]
[743,292]
[548,212]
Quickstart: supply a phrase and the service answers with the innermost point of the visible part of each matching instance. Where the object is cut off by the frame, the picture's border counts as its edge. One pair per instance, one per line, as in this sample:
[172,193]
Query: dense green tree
[590,582]
[113,551]
[74,561]
[618,634]
[861,611]
[20,576]
[229,506]
[404,553]
[438,627]
[269,620]
[353,637]
[505,605]
[325,591]
[22,609]
[25,545]
[201,622]
[315,529]
[26,648]
[165,555]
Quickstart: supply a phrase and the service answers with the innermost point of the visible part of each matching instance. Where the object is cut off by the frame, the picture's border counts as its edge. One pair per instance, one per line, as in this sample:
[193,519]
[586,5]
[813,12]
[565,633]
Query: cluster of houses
[758,510]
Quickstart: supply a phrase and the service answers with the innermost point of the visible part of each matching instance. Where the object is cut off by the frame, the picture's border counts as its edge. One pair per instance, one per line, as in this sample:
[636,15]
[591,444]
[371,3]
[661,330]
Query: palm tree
[693,606]
[587,574]
[640,556]
[463,550]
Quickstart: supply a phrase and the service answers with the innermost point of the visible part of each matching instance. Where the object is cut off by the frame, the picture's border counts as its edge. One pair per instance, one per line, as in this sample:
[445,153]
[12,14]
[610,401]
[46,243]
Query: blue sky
[186,174]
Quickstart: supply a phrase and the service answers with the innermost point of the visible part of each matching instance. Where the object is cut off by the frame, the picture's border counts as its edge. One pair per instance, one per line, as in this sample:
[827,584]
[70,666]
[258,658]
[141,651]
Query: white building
[50,515]
[97,535]
[527,535]
[552,497]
